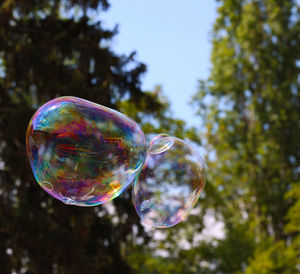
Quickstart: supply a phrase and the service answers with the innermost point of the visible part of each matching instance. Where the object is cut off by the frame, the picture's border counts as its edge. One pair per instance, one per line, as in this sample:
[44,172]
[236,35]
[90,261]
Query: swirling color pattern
[82,153]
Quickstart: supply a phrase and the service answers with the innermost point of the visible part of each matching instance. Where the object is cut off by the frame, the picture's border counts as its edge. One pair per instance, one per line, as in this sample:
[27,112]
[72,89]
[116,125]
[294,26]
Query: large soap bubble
[170,182]
[82,153]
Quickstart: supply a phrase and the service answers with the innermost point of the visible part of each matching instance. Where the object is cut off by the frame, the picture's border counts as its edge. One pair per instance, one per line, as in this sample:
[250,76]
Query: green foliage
[275,258]
[293,215]
[251,108]
[50,49]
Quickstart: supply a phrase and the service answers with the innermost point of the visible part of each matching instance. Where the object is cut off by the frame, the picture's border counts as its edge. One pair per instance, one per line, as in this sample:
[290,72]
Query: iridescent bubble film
[83,153]
[170,182]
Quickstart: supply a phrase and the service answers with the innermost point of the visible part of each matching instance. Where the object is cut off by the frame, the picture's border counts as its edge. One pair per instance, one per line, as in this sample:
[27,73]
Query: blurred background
[237,63]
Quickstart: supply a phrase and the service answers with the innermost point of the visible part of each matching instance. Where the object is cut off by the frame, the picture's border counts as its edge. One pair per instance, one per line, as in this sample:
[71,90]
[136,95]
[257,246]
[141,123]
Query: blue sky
[172,38]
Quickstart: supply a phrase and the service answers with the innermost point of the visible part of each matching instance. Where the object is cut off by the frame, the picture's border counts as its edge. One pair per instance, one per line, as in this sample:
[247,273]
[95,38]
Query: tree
[50,49]
[251,108]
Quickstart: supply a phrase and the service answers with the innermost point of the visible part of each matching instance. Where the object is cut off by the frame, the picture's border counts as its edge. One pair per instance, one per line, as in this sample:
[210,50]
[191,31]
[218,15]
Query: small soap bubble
[83,153]
[47,186]
[160,143]
[170,182]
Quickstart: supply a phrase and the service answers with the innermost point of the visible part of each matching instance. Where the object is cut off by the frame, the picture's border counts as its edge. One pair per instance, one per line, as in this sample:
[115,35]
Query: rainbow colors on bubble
[85,154]
[82,153]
